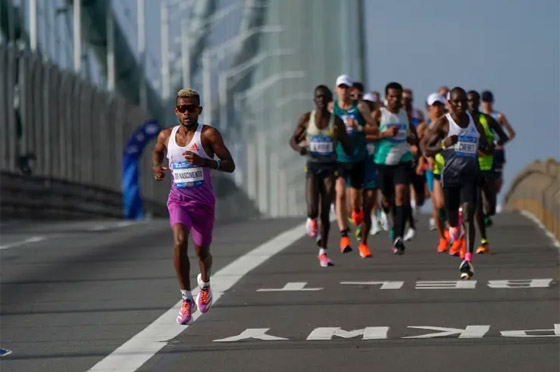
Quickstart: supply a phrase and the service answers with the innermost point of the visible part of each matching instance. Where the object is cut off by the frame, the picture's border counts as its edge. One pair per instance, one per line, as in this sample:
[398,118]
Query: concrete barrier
[35,197]
[536,189]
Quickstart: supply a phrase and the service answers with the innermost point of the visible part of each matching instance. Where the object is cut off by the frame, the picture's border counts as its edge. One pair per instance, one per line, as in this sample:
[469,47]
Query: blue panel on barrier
[132,199]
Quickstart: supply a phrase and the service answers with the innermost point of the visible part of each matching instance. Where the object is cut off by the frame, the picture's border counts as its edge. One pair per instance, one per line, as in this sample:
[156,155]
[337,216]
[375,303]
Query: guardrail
[37,197]
[536,189]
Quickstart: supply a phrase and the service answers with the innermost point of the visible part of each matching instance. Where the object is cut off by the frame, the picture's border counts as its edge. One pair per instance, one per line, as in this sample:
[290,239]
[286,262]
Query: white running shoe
[410,234]
[386,222]
[432,224]
[311,227]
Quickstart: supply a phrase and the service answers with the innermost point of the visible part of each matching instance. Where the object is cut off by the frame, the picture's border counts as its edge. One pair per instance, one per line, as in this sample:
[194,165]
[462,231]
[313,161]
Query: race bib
[321,146]
[401,134]
[466,146]
[370,147]
[186,175]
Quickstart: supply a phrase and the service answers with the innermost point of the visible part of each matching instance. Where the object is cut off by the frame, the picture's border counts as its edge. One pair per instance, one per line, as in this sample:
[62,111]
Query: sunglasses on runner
[190,108]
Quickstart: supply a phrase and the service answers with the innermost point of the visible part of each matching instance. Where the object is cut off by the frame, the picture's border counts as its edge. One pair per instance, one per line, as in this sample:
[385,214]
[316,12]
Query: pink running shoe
[187,309]
[325,261]
[311,227]
[204,298]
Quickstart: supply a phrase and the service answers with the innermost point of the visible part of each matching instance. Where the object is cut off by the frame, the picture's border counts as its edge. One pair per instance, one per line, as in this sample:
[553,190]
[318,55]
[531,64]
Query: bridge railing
[536,189]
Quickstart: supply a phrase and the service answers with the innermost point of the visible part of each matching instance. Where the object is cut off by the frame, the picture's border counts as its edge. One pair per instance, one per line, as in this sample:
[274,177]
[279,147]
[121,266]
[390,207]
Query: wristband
[443,145]
[218,164]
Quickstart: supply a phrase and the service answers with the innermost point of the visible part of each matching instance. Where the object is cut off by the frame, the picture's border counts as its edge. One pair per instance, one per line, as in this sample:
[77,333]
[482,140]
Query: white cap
[369,97]
[344,79]
[435,97]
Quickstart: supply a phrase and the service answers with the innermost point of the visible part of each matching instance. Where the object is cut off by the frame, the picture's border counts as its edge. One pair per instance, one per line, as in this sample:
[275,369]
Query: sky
[511,47]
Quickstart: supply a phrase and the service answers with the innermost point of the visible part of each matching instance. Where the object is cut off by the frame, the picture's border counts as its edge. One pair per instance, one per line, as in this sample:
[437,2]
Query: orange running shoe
[357,217]
[364,250]
[484,248]
[446,235]
[456,247]
[345,245]
[443,245]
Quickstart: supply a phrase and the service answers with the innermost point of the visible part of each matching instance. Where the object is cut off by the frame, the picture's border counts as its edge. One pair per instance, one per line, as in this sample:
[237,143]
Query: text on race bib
[186,175]
[466,146]
[321,146]
[401,134]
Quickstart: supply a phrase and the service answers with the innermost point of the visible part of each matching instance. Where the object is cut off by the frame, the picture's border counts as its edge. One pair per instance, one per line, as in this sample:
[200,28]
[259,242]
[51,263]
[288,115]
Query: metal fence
[54,124]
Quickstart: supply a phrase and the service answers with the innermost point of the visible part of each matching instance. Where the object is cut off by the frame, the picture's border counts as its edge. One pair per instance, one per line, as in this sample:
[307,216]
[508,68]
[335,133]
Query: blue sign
[132,199]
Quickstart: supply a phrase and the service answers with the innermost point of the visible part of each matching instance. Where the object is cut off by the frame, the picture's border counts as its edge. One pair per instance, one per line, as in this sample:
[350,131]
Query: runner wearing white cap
[351,168]
[436,109]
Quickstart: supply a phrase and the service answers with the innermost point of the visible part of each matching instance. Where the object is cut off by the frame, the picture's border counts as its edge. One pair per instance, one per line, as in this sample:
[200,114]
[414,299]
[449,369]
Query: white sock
[202,284]
[322,251]
[186,295]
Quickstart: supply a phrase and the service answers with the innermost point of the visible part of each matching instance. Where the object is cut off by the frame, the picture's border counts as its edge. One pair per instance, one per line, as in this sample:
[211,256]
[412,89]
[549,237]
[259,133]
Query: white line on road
[139,349]
[534,218]
[33,239]
[105,227]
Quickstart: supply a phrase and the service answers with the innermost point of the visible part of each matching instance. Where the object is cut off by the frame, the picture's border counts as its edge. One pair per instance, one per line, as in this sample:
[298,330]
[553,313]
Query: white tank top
[184,175]
[467,144]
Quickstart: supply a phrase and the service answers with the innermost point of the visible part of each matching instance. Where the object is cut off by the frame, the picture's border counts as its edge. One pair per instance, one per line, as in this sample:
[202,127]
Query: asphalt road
[72,293]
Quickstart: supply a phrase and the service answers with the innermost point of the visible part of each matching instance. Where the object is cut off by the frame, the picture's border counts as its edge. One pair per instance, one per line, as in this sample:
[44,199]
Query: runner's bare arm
[391,132]
[214,138]
[299,134]
[497,128]
[342,135]
[505,122]
[366,112]
[159,153]
[436,132]
[412,137]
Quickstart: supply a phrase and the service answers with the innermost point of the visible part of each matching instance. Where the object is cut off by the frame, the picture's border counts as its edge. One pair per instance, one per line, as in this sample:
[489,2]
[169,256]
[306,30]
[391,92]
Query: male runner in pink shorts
[190,149]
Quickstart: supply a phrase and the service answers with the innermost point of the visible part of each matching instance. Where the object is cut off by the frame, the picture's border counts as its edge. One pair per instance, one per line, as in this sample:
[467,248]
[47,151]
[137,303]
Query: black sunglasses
[184,108]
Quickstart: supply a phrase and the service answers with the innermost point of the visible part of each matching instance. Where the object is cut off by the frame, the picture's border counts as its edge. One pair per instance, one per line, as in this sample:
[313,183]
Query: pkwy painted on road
[382,333]
[423,284]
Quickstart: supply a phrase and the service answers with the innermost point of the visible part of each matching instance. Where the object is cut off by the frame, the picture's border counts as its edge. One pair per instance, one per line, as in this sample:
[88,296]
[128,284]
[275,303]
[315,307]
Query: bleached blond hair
[189,93]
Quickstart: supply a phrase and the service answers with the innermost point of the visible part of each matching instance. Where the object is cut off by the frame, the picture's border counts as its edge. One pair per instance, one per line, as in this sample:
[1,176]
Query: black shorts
[487,177]
[392,175]
[318,169]
[418,181]
[499,160]
[454,196]
[353,173]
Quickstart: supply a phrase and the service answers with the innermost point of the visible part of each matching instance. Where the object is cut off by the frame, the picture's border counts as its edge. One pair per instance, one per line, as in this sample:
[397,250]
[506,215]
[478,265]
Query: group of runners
[356,144]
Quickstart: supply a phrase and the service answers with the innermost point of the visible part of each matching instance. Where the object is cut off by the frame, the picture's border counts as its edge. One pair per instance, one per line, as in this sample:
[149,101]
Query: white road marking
[368,333]
[471,331]
[520,283]
[252,333]
[450,284]
[384,285]
[117,225]
[551,332]
[139,349]
[33,239]
[538,222]
[292,286]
